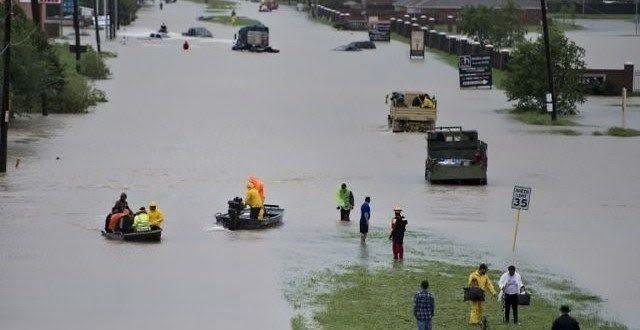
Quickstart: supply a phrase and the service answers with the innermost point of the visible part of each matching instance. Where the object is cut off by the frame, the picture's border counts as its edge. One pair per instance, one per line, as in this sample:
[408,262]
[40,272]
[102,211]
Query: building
[442,9]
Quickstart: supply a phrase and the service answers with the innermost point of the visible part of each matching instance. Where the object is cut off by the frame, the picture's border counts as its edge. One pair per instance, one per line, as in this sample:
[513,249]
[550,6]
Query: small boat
[139,236]
[238,217]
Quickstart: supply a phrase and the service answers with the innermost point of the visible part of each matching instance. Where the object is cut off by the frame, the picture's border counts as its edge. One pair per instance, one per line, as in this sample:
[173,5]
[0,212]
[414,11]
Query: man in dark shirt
[565,321]
[423,307]
[365,215]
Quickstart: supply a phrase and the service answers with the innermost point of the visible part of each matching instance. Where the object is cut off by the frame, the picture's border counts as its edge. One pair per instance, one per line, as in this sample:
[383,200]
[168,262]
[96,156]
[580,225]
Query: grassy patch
[623,132]
[564,131]
[360,298]
[540,118]
[223,9]
[225,19]
[298,323]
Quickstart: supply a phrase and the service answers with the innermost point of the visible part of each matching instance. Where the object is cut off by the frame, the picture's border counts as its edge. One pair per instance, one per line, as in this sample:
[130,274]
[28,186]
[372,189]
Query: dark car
[357,46]
[363,44]
[198,32]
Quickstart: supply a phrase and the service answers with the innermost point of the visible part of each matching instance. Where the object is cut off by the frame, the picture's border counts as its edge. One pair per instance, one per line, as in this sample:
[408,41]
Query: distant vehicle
[455,156]
[380,31]
[412,111]
[170,1]
[198,32]
[254,38]
[357,46]
[267,6]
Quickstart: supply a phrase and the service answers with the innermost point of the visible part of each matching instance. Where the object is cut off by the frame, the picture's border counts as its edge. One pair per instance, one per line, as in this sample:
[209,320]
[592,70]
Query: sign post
[475,70]
[520,201]
[417,44]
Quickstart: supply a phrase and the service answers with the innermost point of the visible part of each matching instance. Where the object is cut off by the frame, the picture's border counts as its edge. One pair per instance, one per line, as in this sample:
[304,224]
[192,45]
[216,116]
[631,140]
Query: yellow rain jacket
[485,284]
[252,199]
[155,217]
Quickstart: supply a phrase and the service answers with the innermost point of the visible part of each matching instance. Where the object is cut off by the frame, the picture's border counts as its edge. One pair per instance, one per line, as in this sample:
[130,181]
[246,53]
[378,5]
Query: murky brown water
[186,129]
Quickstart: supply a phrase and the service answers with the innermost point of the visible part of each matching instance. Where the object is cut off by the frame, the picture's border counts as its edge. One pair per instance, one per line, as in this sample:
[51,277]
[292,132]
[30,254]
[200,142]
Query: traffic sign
[521,198]
[475,70]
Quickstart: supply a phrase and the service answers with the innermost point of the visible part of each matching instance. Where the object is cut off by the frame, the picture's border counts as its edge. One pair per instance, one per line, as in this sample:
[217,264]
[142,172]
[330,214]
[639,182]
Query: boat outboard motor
[235,209]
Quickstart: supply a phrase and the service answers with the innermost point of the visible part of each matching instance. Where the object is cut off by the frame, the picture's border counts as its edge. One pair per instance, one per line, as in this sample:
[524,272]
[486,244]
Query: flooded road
[187,128]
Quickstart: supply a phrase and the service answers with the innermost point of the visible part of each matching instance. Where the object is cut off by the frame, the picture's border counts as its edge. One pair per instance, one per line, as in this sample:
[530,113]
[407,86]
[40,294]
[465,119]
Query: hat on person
[565,309]
[141,208]
[153,204]
[397,208]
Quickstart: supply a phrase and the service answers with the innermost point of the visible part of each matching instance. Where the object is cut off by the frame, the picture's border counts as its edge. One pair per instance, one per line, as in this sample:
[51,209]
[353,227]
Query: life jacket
[114,220]
[141,222]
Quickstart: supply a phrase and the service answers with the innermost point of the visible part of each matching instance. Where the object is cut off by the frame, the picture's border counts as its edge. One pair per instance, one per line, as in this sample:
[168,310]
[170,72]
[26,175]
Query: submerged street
[186,128]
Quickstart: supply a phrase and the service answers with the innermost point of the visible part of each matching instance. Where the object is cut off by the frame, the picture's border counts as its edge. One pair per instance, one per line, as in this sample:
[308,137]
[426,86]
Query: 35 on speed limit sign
[521,198]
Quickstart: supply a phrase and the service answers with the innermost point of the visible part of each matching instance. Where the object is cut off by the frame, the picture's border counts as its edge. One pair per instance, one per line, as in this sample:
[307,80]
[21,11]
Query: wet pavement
[187,128]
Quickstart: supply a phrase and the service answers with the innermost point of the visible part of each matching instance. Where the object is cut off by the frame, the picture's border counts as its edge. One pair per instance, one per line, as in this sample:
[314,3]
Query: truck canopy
[454,143]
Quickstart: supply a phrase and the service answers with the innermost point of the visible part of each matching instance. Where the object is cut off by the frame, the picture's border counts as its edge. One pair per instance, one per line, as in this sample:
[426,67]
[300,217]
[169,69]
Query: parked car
[198,32]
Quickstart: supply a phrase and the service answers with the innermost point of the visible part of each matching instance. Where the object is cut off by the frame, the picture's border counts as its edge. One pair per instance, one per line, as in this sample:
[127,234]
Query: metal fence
[636,81]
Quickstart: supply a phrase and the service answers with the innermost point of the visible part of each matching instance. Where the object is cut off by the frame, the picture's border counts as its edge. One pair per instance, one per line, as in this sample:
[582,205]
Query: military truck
[455,156]
[412,112]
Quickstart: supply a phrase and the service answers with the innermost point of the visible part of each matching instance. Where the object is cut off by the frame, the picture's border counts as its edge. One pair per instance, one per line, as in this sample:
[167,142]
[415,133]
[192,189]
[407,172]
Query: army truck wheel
[397,126]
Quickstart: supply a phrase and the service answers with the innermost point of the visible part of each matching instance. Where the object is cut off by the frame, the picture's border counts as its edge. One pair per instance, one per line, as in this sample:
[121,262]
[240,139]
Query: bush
[93,66]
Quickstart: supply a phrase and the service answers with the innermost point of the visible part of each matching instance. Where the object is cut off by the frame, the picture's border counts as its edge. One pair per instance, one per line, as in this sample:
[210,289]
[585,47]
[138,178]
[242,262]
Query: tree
[501,27]
[526,78]
[509,26]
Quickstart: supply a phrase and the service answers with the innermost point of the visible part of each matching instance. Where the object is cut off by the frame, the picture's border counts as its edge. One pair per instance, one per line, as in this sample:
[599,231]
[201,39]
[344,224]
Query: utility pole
[117,20]
[35,12]
[95,18]
[637,18]
[6,84]
[547,51]
[76,28]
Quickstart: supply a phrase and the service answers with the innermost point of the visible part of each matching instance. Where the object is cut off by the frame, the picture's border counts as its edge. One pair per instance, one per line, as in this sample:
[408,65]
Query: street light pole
[547,51]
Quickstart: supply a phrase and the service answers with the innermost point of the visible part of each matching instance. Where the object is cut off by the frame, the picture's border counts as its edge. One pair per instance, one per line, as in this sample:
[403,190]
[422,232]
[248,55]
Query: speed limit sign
[521,198]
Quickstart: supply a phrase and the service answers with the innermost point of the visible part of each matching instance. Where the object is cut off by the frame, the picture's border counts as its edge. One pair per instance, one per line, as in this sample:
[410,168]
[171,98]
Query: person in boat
[163,28]
[156,217]
[116,220]
[108,219]
[122,204]
[344,199]
[253,201]
[259,185]
[141,220]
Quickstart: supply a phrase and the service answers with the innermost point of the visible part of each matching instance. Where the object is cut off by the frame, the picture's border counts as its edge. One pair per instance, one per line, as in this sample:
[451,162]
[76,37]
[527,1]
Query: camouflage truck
[455,156]
[412,112]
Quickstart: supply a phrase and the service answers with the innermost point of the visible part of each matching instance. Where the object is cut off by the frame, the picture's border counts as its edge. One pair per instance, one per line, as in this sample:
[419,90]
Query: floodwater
[187,128]
[608,43]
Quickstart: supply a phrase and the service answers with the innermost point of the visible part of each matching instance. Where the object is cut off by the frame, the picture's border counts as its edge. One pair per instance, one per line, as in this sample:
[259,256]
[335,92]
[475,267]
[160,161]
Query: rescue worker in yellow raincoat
[480,276]
[156,217]
[253,201]
[259,185]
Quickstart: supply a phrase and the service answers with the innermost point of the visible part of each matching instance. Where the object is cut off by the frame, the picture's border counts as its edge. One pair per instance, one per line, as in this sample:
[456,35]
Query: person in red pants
[398,227]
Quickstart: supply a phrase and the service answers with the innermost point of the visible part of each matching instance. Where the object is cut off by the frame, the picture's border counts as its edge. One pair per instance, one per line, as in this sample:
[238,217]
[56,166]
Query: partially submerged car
[356,46]
[200,32]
